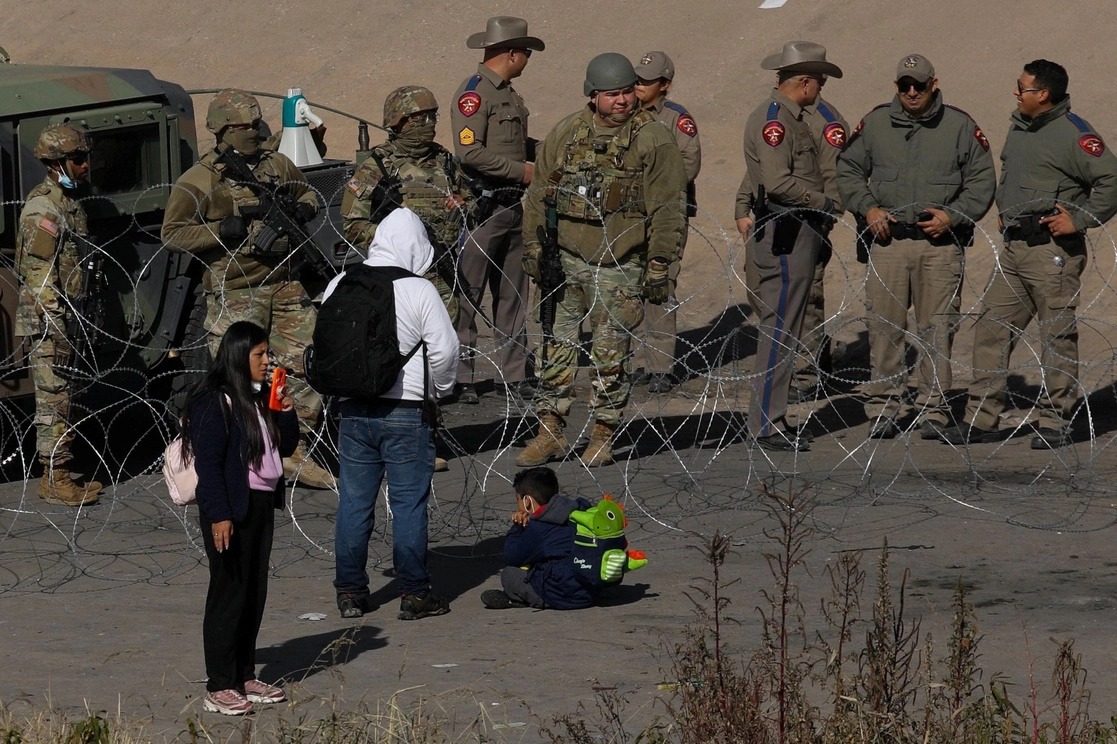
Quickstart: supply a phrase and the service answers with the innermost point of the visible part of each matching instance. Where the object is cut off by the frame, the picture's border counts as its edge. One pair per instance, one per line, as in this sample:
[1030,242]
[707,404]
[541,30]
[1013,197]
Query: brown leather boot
[549,444]
[302,467]
[600,449]
[57,487]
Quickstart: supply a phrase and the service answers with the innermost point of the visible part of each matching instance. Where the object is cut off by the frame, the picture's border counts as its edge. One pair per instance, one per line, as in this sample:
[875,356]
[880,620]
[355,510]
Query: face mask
[65,181]
[257,387]
[416,138]
[244,141]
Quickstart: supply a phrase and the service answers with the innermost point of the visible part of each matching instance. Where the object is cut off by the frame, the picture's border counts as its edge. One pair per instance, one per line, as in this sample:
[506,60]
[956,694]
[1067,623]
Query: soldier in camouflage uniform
[619,183]
[51,227]
[206,216]
[412,170]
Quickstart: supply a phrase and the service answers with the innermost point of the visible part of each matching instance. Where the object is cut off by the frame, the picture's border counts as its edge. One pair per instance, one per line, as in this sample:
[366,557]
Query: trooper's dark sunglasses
[78,158]
[903,86]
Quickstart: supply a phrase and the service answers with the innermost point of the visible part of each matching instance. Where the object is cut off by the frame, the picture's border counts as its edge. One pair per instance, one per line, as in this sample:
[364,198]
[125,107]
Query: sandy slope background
[351,54]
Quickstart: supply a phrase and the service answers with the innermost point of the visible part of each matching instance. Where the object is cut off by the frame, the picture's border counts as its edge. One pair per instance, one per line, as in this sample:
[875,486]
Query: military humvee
[143,136]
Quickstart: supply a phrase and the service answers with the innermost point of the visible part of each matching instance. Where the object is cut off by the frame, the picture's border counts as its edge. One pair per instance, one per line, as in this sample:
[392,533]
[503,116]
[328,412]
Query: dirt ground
[102,608]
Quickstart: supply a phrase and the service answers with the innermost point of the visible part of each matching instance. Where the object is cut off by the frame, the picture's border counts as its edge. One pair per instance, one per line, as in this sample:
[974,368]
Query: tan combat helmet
[59,140]
[402,102]
[232,106]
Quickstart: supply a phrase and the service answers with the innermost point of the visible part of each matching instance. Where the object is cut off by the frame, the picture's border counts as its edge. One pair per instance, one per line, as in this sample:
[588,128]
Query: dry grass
[856,679]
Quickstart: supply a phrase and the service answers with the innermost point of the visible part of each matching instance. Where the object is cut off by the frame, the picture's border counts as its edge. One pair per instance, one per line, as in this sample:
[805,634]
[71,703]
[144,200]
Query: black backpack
[355,352]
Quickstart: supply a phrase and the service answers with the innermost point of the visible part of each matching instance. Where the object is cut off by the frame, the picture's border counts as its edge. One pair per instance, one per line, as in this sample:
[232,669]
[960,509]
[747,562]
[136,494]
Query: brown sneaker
[301,467]
[600,449]
[549,444]
[57,487]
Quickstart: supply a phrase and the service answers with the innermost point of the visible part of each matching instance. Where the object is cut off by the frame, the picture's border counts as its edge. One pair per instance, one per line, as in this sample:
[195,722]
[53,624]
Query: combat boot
[58,487]
[600,449]
[301,466]
[549,444]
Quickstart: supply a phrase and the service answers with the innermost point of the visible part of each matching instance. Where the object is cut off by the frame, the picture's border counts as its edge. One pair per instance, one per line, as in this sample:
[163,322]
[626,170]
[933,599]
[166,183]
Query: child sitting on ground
[538,549]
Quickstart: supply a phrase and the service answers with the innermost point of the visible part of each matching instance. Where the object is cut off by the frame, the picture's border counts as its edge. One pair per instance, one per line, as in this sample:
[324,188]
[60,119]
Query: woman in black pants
[237,444]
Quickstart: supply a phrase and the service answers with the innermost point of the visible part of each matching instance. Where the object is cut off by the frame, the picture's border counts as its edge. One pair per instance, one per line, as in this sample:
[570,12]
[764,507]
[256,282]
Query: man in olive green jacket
[619,184]
[919,174]
[1058,180]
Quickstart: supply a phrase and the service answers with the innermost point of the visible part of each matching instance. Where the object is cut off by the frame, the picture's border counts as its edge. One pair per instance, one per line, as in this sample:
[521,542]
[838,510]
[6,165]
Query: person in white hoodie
[390,436]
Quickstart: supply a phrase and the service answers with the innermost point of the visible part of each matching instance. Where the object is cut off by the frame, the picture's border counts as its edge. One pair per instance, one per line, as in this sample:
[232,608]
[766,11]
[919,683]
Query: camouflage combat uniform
[618,207]
[425,184]
[239,284]
[49,265]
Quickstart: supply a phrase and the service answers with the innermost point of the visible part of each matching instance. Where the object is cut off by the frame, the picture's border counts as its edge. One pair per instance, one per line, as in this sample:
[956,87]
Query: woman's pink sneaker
[227,702]
[262,692]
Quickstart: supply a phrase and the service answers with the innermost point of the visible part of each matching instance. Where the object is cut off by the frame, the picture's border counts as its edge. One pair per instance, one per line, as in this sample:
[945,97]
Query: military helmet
[402,102]
[59,140]
[609,71]
[232,106]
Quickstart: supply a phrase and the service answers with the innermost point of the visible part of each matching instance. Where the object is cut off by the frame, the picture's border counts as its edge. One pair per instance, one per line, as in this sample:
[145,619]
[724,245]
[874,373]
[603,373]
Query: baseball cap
[655,65]
[917,67]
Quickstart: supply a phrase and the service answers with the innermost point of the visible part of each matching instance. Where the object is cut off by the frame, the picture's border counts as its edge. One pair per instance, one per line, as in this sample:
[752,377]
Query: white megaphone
[296,142]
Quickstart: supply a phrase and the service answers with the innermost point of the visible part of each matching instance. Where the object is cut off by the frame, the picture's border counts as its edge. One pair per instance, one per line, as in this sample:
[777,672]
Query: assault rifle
[278,211]
[85,315]
[551,276]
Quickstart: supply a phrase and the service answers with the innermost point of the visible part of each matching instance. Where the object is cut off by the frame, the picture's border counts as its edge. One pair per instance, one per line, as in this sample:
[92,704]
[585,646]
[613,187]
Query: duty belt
[508,194]
[959,235]
[1029,229]
[907,231]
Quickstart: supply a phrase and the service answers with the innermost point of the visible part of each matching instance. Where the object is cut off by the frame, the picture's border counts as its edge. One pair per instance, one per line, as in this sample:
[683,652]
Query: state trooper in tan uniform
[917,174]
[211,216]
[52,227]
[1057,179]
[655,72]
[783,156]
[831,132]
[489,121]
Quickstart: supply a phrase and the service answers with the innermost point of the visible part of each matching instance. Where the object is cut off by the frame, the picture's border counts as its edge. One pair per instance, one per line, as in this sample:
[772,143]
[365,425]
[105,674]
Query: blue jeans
[375,439]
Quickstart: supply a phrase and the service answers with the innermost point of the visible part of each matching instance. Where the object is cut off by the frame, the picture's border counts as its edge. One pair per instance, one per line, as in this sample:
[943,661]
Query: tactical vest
[594,180]
[243,198]
[424,188]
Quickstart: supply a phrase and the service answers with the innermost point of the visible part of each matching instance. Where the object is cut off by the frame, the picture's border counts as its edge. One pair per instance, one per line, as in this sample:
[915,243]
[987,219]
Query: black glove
[233,231]
[307,212]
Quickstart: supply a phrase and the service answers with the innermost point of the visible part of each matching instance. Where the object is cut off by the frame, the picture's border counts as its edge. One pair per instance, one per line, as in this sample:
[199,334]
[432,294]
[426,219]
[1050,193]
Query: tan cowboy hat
[804,57]
[506,32]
